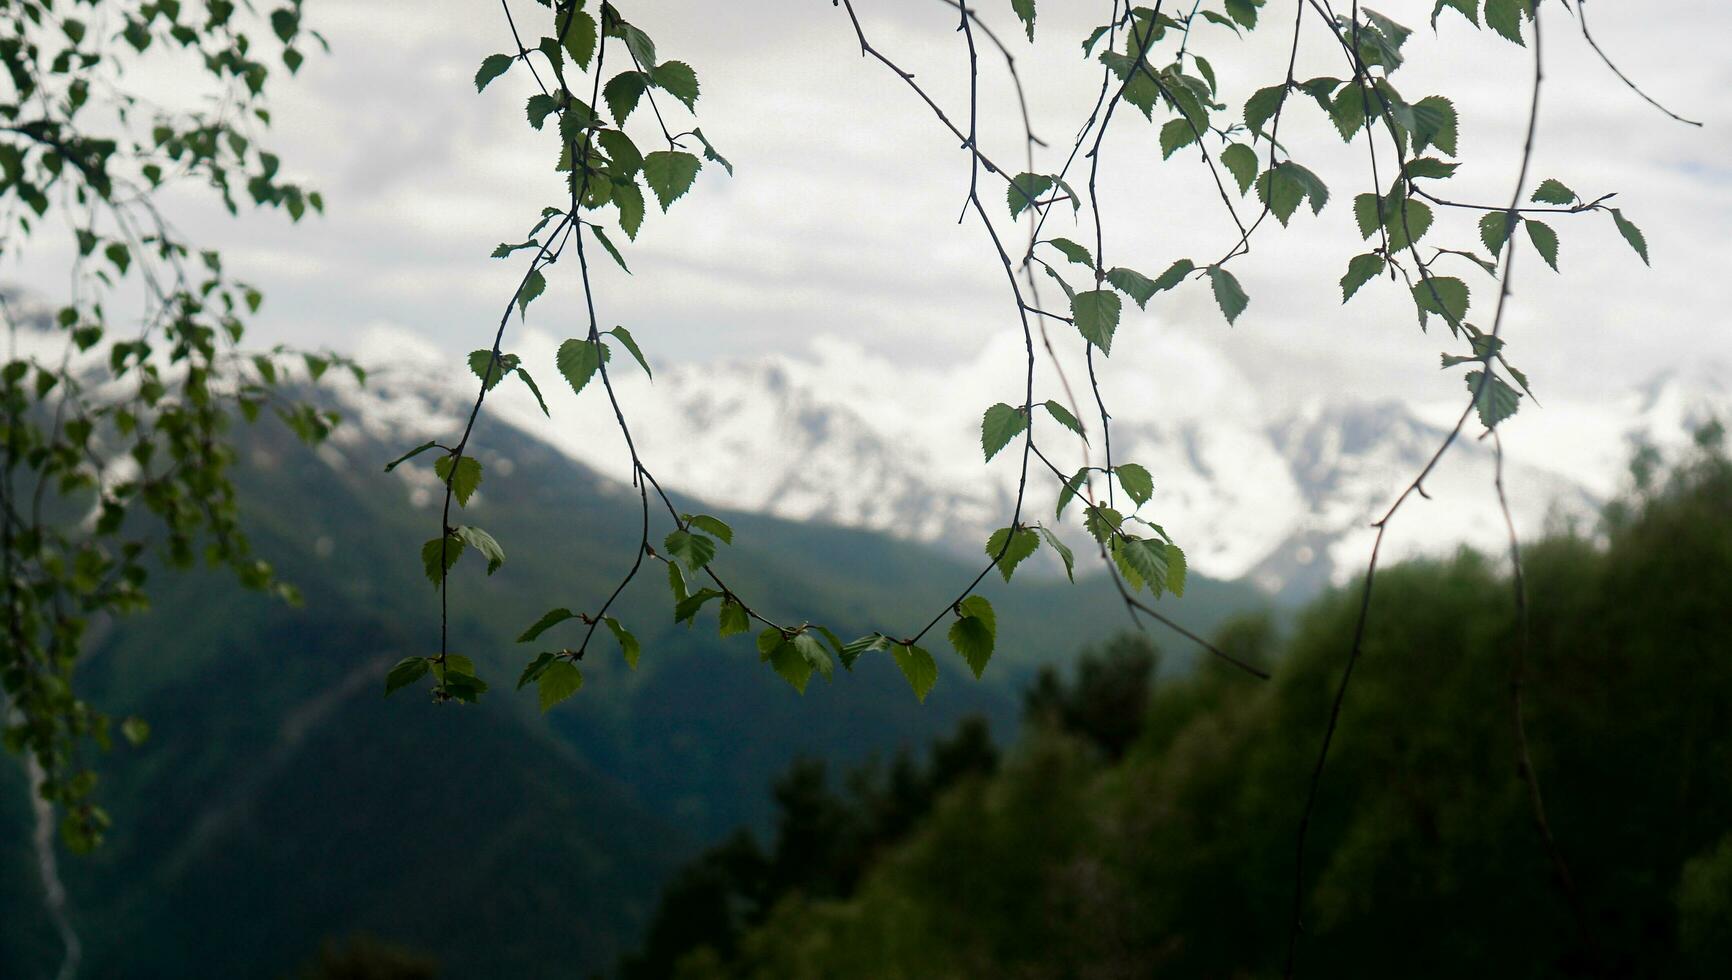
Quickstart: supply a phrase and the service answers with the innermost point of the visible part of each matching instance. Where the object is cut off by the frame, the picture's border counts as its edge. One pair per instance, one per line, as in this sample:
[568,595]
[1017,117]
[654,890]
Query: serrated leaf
[1228,293]
[1096,313]
[1505,17]
[1494,230]
[628,645]
[1174,275]
[1444,295]
[622,93]
[1631,234]
[813,653]
[853,651]
[548,620]
[1024,12]
[712,526]
[1552,191]
[1064,552]
[670,174]
[407,671]
[533,285]
[535,390]
[539,107]
[411,454]
[1361,269]
[493,66]
[1010,549]
[918,666]
[578,361]
[535,668]
[677,79]
[1025,190]
[1133,284]
[710,153]
[1262,105]
[1281,192]
[1545,241]
[1497,402]
[450,547]
[628,197]
[1241,161]
[484,543]
[974,632]
[1102,522]
[580,36]
[694,550]
[789,664]
[601,236]
[490,369]
[1136,481]
[1063,416]
[1070,489]
[998,426]
[687,609]
[1467,8]
[1176,134]
[1434,124]
[463,479]
[559,681]
[733,618]
[1076,253]
[1408,223]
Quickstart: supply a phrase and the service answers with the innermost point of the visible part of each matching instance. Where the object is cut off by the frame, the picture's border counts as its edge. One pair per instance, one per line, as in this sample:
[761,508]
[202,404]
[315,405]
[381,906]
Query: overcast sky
[840,221]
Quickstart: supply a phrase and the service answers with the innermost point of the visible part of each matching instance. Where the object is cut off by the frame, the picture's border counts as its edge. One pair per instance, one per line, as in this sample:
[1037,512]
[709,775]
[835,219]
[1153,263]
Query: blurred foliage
[1176,859]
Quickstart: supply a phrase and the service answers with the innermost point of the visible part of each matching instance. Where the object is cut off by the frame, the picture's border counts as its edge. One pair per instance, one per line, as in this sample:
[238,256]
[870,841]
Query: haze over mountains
[1282,497]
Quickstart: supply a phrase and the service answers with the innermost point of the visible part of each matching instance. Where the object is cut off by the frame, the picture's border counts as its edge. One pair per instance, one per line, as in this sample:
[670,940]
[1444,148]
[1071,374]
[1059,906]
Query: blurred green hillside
[1167,850]
[282,801]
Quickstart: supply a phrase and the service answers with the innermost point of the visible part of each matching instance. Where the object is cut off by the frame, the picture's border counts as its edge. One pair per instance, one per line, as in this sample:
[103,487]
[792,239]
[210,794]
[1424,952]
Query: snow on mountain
[839,436]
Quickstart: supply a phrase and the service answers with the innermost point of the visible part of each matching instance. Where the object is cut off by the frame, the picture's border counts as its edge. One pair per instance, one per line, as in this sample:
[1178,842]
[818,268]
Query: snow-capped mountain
[1284,498]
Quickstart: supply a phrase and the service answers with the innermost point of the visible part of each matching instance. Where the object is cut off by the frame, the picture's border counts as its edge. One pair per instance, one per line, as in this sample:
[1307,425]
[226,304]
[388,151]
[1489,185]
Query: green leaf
[1008,549]
[687,609]
[813,653]
[601,236]
[1063,550]
[1228,294]
[548,620]
[1408,223]
[1545,241]
[1552,191]
[622,93]
[628,197]
[869,643]
[580,38]
[539,107]
[643,50]
[1097,316]
[1174,275]
[1176,134]
[578,361]
[535,668]
[1076,253]
[1241,161]
[1063,416]
[491,369]
[1494,230]
[1281,192]
[450,547]
[677,79]
[1262,105]
[1024,12]
[533,285]
[789,664]
[712,526]
[1505,17]
[406,672]
[493,66]
[1365,212]
[484,543]
[463,480]
[710,153]
[973,633]
[1142,562]
[694,550]
[1138,484]
[1000,425]
[670,174]
[734,618]
[1497,402]
[1102,522]
[528,381]
[1071,488]
[622,153]
[1244,12]
[1434,124]
[1361,269]
[1444,295]
[1175,569]
[411,454]
[1467,8]
[918,666]
[1631,234]
[1133,284]
[628,645]
[1025,190]
[1347,111]
[559,681]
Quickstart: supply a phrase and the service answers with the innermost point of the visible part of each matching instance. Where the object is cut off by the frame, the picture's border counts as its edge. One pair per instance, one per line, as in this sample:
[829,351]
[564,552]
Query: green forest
[1143,825]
